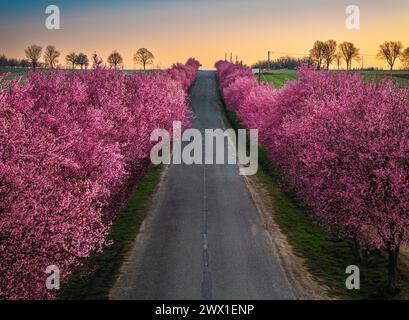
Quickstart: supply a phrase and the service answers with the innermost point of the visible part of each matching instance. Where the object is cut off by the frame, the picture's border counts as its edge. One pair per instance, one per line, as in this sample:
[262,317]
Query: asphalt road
[203,238]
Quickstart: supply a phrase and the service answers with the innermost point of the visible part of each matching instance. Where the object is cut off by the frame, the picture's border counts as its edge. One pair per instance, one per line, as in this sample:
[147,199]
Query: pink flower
[340,143]
[72,147]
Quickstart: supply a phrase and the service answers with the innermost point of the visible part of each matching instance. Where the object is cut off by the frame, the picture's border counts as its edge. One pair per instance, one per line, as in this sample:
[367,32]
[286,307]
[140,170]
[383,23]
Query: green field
[14,72]
[279,77]
[394,75]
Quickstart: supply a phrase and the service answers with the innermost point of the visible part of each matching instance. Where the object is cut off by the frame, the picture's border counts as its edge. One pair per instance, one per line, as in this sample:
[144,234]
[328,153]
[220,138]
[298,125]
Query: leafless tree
[317,53]
[405,58]
[115,59]
[143,57]
[71,59]
[51,56]
[3,61]
[33,53]
[24,63]
[330,50]
[390,51]
[338,59]
[349,52]
[82,60]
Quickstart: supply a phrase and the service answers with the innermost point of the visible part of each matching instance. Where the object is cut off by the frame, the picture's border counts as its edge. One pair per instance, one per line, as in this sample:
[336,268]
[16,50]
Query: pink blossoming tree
[72,146]
[341,144]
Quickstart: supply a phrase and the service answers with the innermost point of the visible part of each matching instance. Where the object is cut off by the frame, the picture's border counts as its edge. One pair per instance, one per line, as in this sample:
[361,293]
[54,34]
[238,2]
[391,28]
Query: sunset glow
[175,30]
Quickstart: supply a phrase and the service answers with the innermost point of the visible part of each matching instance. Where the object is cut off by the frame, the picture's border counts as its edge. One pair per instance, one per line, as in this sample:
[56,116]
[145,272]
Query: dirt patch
[303,282]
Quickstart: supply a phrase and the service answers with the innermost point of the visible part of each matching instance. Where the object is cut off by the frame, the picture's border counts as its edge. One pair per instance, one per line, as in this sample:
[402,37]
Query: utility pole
[269,64]
[237,59]
[231,57]
[225,57]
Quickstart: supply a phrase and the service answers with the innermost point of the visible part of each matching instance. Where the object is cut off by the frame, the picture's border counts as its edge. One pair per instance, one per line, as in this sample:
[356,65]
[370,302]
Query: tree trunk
[393,262]
[358,250]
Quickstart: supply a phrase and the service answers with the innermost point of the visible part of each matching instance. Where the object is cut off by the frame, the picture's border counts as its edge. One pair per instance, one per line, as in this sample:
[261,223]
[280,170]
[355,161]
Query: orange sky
[177,29]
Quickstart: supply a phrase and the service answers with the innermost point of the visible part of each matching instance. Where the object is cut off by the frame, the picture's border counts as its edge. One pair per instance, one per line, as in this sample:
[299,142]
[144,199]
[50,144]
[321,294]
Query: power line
[307,54]
[289,54]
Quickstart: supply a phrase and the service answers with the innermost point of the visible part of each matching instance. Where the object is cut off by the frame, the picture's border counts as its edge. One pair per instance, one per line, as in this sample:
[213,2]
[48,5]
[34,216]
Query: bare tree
[12,62]
[405,58]
[51,56]
[390,51]
[317,53]
[24,63]
[330,50]
[338,59]
[115,59]
[71,59]
[82,60]
[33,53]
[143,57]
[3,61]
[349,52]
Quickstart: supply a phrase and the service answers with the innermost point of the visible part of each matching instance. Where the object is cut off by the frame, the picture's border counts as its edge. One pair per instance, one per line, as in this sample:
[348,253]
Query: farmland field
[279,77]
[14,72]
[400,77]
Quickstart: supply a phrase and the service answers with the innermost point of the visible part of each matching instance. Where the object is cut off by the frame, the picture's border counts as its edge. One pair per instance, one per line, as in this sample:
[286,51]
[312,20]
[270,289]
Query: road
[203,238]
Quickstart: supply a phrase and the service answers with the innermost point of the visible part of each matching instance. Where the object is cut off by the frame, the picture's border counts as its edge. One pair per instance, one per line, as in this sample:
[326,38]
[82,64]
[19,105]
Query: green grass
[326,255]
[377,76]
[95,284]
[279,78]
[14,72]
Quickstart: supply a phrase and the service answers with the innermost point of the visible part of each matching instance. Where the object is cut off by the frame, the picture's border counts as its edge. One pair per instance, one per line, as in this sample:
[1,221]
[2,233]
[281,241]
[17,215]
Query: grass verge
[326,255]
[102,268]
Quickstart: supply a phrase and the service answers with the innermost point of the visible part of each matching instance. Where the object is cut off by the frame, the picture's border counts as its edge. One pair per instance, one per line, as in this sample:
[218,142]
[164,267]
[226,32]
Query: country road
[203,238]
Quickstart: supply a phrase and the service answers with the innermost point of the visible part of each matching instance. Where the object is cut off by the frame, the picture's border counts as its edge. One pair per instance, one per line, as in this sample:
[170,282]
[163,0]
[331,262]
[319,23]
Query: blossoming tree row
[342,144]
[72,146]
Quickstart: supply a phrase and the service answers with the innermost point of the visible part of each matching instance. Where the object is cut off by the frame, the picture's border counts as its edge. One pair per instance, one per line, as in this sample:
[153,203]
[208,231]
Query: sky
[174,30]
